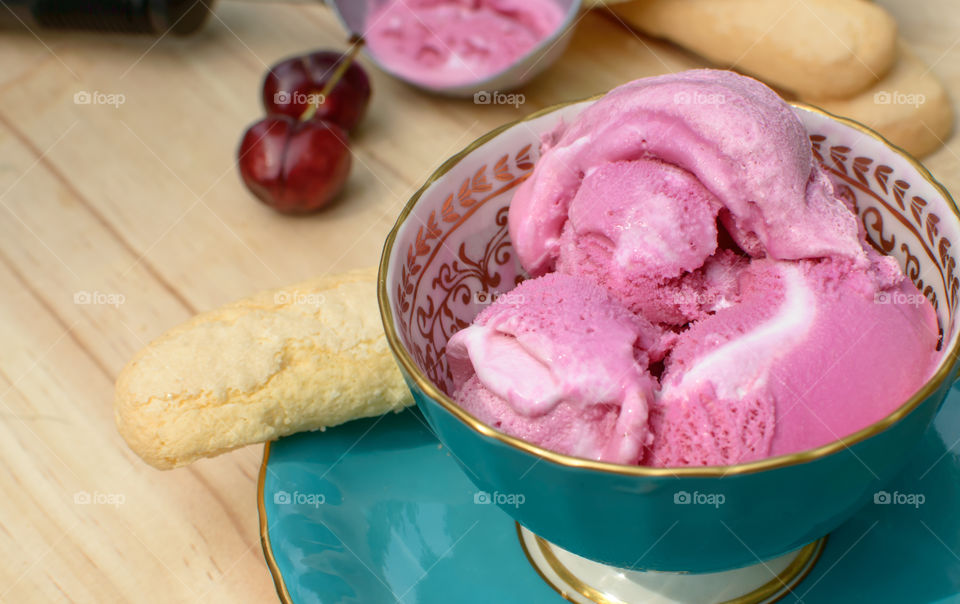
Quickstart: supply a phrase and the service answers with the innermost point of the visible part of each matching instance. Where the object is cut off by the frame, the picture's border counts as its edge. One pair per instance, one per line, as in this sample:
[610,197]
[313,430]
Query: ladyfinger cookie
[909,106]
[815,48]
[303,357]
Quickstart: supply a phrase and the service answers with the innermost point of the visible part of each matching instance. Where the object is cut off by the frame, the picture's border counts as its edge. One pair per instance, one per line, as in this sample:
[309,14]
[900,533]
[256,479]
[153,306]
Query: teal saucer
[378,511]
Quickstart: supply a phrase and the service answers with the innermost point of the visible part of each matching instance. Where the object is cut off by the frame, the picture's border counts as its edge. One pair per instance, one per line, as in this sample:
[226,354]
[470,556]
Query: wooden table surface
[117,223]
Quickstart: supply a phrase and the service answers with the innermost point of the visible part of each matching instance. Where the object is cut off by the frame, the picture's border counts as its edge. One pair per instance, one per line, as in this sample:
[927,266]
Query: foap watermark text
[701,299]
[85,97]
[698,498]
[84,298]
[298,498]
[484,297]
[297,297]
[898,498]
[899,298]
[699,98]
[298,98]
[496,97]
[895,97]
[485,498]
[98,498]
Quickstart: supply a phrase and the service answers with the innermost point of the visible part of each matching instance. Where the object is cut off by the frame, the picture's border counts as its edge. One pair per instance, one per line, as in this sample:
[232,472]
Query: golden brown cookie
[299,358]
[815,48]
[909,107]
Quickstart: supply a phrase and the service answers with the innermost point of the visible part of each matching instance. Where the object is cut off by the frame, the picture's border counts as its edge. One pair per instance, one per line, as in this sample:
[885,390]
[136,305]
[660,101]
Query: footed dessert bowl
[450,254]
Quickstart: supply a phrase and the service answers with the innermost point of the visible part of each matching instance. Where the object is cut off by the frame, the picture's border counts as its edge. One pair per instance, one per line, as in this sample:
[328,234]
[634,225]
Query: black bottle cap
[123,16]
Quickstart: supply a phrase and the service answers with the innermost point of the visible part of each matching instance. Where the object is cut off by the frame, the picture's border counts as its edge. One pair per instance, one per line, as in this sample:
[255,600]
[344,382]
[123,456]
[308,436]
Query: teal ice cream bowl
[449,254]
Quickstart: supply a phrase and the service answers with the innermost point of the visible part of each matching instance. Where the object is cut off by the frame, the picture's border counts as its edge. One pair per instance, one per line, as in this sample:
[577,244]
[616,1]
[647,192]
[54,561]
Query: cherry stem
[339,72]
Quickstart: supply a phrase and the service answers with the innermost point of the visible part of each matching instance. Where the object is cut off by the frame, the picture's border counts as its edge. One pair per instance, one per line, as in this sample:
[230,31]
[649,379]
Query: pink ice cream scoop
[560,363]
[732,133]
[647,231]
[813,351]
[713,302]
[442,43]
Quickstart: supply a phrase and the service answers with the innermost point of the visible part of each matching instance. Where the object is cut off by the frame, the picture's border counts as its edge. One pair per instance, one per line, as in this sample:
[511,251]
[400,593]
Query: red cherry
[292,166]
[293,85]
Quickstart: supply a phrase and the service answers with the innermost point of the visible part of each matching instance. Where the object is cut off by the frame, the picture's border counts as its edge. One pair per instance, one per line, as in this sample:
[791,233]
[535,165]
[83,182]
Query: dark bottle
[124,16]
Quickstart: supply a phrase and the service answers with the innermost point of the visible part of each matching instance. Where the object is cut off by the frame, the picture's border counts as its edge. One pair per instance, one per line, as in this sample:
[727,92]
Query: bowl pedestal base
[586,582]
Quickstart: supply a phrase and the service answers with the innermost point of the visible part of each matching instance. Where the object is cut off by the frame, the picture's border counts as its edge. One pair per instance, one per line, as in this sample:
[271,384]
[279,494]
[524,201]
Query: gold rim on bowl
[430,389]
[278,583]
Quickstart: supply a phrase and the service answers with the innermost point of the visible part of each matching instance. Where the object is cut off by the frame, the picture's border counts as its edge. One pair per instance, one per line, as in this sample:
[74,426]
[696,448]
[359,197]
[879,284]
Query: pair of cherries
[297,158]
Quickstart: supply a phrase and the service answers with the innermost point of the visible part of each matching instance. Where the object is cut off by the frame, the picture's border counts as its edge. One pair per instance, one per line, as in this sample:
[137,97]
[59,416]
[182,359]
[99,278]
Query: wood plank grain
[177,198]
[188,530]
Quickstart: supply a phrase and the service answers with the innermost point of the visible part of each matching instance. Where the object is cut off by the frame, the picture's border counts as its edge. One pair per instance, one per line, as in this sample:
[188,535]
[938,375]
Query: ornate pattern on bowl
[450,254]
